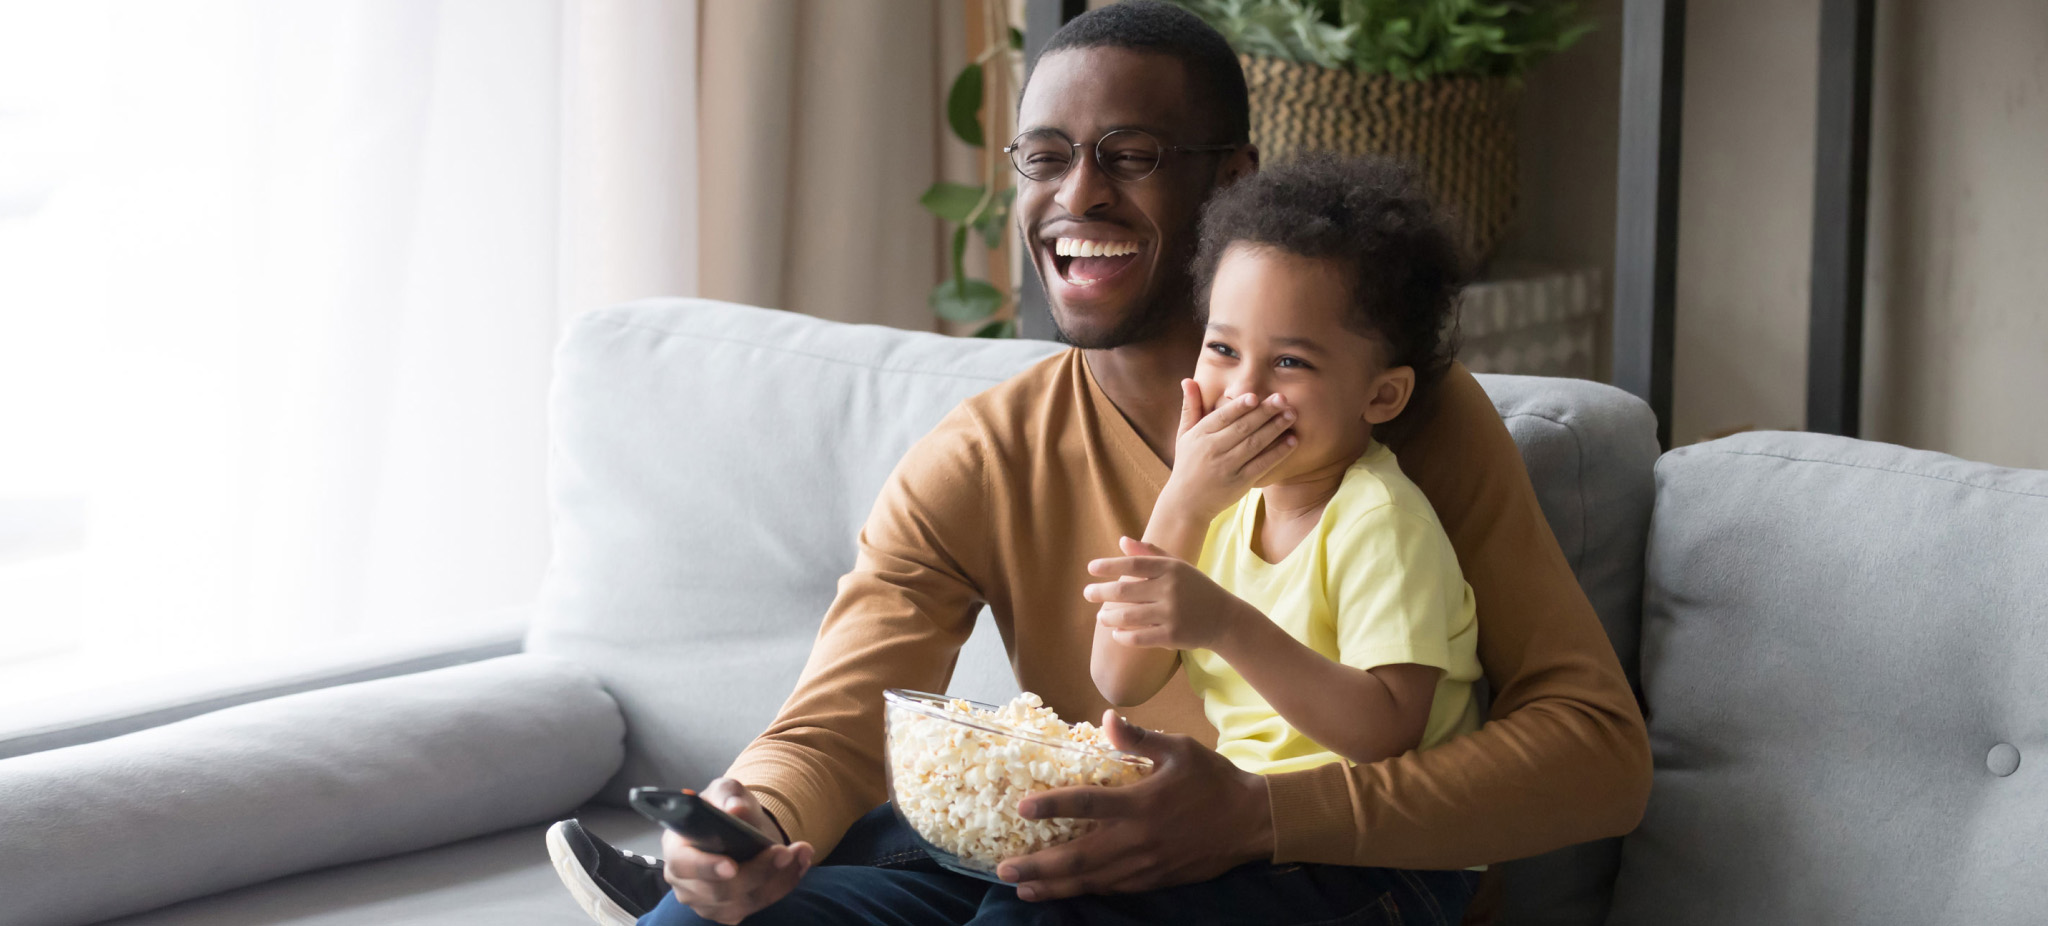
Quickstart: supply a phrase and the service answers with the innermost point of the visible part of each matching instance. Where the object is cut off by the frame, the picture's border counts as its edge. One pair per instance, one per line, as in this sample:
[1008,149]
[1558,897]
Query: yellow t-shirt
[1375,583]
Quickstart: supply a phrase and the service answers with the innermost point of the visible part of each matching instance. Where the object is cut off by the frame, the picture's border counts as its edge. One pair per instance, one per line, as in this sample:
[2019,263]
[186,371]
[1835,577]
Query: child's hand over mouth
[1221,454]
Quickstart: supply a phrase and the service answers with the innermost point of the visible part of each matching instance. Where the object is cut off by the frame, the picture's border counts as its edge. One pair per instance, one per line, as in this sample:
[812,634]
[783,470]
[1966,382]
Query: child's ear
[1388,394]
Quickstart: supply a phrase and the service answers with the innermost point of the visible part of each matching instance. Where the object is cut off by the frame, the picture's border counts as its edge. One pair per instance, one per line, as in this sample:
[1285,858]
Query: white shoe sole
[588,896]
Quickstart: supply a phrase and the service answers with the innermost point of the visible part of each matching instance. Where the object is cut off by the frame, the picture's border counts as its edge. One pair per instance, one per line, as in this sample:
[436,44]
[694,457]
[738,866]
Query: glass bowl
[955,778]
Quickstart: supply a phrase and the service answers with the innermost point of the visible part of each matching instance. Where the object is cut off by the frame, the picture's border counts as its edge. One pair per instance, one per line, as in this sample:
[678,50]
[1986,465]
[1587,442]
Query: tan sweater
[1010,496]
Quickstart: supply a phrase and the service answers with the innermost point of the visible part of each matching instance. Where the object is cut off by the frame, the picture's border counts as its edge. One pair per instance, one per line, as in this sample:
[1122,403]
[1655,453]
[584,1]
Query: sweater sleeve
[1563,758]
[898,621]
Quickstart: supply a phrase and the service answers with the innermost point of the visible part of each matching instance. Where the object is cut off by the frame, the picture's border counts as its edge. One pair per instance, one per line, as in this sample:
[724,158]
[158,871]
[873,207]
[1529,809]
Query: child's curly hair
[1374,219]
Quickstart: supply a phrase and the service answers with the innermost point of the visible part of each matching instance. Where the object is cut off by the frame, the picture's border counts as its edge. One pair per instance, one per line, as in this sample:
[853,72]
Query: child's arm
[1216,458]
[1127,675]
[1364,715]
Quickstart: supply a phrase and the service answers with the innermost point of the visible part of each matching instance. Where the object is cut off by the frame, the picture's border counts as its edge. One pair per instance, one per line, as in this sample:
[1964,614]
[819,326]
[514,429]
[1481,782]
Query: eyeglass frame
[1075,146]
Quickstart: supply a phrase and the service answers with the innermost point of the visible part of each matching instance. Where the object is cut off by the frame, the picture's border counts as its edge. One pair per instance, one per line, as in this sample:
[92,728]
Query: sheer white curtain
[279,284]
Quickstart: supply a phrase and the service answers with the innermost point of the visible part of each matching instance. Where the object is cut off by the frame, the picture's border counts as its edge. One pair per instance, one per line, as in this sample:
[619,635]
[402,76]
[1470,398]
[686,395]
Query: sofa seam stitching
[796,353]
[1880,469]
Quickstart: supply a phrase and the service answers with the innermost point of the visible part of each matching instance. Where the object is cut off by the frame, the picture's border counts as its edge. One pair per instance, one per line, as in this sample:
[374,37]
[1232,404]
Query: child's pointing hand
[1161,601]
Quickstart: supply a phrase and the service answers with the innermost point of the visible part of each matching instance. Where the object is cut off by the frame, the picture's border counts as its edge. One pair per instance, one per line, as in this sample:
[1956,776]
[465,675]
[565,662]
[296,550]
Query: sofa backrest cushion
[710,468]
[1590,449]
[712,465]
[1845,654]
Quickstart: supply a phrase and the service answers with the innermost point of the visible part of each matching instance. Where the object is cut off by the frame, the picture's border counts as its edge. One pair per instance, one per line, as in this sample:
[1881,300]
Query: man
[1007,499]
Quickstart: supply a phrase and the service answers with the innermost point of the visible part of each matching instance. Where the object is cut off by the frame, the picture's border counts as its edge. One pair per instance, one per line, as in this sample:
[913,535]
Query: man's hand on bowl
[1195,817]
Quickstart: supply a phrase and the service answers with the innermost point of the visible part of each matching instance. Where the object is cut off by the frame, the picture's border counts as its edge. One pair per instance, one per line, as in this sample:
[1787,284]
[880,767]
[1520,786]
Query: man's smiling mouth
[1088,261]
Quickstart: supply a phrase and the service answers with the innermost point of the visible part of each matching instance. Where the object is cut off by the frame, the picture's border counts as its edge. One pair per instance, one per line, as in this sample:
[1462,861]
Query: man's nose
[1085,189]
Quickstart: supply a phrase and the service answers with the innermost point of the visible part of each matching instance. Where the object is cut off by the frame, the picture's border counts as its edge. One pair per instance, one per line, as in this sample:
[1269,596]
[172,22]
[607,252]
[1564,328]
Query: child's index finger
[1139,567]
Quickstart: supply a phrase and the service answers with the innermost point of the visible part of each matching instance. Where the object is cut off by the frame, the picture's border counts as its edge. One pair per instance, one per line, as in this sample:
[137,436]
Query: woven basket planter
[1458,131]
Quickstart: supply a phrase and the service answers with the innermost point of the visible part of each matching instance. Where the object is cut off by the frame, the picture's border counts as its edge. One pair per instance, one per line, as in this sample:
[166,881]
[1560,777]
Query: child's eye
[1222,349]
[1295,363]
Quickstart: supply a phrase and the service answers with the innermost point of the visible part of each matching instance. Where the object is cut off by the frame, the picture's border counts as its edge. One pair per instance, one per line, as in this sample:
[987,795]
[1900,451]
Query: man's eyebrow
[1153,129]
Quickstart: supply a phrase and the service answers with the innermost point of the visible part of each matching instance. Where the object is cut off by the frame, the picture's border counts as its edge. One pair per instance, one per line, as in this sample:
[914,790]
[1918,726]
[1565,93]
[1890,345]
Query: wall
[1957,346]
[1956,356]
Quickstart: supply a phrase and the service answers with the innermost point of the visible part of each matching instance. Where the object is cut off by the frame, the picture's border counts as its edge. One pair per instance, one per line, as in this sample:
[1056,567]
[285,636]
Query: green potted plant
[1435,82]
[979,210]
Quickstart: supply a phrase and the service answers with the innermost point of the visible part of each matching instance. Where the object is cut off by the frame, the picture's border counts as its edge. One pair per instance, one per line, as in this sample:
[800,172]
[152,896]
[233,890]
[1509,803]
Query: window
[277,297]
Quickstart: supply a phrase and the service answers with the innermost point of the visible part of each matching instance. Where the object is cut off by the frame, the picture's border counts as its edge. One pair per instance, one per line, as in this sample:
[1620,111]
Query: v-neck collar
[1118,431]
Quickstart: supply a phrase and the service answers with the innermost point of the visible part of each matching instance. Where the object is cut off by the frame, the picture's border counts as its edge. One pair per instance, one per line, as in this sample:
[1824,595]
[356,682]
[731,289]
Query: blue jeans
[877,876]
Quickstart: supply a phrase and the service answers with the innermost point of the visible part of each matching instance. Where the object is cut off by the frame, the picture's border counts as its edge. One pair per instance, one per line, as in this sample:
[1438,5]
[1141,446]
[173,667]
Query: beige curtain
[819,126]
[629,223]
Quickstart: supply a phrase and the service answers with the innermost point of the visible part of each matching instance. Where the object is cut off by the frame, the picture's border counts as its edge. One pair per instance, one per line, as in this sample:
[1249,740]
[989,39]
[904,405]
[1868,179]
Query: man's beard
[1166,306]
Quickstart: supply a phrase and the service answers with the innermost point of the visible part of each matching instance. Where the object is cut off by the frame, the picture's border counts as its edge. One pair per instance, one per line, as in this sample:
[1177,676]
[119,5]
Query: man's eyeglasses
[1127,155]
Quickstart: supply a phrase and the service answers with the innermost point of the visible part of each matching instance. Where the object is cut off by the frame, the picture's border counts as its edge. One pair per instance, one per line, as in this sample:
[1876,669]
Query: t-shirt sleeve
[1390,577]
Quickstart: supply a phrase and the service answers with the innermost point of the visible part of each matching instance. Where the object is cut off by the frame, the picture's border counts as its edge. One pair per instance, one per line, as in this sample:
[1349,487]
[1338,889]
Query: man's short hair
[1215,79]
[1373,219]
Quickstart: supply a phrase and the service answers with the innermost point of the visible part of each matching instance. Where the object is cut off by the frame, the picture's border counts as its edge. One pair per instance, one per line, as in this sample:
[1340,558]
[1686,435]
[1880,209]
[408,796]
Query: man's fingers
[1121,874]
[763,880]
[1090,802]
[1191,411]
[729,795]
[1087,865]
[1125,736]
[686,862]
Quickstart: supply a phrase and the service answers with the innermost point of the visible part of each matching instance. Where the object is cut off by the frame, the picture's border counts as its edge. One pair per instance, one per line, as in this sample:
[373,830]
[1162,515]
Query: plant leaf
[1000,328]
[965,300]
[995,220]
[950,201]
[1407,39]
[963,105]
[960,253]
[1016,39]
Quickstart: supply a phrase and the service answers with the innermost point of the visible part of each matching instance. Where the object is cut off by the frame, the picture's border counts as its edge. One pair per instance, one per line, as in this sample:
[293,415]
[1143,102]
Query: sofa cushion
[1590,449]
[298,782]
[711,465]
[1845,645]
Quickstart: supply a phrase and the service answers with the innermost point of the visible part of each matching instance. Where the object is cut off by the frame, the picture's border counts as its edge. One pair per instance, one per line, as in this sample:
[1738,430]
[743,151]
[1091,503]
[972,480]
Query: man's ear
[1388,394]
[1241,163]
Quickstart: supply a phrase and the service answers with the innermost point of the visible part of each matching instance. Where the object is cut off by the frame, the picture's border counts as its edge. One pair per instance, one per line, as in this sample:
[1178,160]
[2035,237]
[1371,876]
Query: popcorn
[957,780]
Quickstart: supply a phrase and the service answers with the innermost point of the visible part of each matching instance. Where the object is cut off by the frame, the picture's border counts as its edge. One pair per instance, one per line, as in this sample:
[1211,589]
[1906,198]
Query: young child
[1328,620]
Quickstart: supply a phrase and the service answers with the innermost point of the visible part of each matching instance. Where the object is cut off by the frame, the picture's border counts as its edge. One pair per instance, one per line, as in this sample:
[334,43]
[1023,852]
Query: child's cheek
[1212,386]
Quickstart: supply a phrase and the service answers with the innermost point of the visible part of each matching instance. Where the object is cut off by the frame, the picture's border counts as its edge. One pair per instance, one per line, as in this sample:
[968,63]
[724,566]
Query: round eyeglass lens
[1042,155]
[1128,154]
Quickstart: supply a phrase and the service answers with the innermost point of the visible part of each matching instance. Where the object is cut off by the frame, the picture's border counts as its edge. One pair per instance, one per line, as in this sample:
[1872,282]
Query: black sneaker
[614,886]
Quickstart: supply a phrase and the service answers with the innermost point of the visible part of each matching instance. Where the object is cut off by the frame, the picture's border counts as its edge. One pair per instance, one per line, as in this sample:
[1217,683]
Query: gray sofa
[1843,645]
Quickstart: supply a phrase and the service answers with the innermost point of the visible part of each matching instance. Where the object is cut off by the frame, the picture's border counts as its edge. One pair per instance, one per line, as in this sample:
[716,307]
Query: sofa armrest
[299,782]
[71,719]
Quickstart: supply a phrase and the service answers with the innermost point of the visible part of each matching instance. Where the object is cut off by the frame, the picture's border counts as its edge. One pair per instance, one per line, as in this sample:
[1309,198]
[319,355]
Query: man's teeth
[1083,247]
